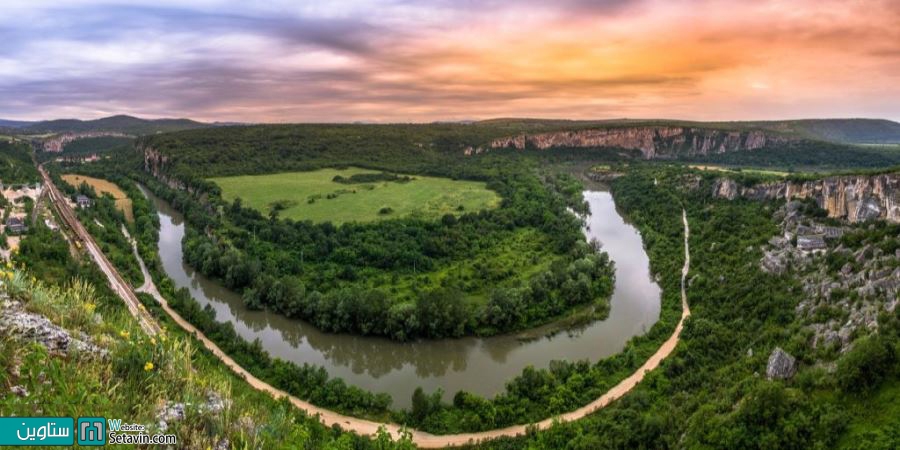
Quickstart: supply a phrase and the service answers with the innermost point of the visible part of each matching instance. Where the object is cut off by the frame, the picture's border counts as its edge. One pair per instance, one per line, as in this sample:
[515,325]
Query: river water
[478,365]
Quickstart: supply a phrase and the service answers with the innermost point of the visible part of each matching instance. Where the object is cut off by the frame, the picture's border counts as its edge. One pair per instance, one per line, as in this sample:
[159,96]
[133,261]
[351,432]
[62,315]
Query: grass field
[123,203]
[507,263]
[776,173]
[315,196]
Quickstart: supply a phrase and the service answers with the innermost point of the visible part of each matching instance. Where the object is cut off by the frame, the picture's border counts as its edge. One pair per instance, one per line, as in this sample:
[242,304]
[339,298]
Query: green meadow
[317,197]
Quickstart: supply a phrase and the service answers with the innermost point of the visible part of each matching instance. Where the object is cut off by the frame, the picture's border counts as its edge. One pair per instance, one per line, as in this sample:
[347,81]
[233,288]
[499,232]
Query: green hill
[855,131]
[15,163]
[120,123]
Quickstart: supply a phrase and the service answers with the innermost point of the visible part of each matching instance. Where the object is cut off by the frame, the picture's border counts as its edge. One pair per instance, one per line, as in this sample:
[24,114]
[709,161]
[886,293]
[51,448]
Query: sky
[421,61]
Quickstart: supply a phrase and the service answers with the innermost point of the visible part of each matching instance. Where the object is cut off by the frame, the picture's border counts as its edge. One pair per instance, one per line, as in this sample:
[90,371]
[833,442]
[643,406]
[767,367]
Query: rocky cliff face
[154,161]
[156,164]
[652,141]
[854,198]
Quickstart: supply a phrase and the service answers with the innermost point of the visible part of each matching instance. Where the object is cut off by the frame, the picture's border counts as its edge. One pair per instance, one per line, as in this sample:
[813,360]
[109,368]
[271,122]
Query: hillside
[15,164]
[13,123]
[421,147]
[856,131]
[120,124]
[848,131]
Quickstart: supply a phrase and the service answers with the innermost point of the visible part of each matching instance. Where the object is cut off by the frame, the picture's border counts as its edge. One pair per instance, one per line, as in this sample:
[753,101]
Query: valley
[501,225]
[538,302]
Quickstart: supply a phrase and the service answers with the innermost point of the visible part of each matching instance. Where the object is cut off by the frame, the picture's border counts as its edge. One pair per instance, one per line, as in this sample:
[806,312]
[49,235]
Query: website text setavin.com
[85,431]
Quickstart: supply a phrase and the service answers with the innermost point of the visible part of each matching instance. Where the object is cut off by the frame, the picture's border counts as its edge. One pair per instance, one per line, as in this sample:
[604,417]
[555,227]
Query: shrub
[864,367]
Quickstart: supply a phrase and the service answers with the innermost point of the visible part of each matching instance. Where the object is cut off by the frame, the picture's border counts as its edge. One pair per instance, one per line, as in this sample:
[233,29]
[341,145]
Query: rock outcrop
[781,365]
[835,304]
[651,141]
[854,198]
[19,324]
[157,164]
[176,411]
[154,161]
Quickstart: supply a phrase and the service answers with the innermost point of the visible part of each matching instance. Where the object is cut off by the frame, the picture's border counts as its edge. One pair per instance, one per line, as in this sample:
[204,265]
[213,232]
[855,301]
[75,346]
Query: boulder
[781,365]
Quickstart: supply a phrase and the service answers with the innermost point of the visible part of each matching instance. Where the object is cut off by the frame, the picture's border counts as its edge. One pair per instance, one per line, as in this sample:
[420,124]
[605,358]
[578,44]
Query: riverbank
[428,440]
[481,366]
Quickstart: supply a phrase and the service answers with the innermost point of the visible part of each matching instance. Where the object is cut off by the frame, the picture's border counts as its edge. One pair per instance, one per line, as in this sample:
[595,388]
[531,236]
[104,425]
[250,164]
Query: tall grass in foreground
[140,376]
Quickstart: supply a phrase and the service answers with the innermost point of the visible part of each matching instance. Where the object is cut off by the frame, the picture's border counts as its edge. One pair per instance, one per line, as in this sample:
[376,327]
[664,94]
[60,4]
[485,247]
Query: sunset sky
[412,61]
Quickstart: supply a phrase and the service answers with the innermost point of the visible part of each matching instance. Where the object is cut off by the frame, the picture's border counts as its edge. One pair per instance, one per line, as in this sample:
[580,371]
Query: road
[421,438]
[116,282]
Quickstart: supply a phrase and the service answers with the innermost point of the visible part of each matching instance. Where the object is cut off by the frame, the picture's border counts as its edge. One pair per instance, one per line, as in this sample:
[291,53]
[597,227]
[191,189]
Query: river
[478,365]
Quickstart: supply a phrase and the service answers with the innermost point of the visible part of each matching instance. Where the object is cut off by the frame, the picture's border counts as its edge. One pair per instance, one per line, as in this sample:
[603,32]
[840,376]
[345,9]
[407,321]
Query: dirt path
[421,438]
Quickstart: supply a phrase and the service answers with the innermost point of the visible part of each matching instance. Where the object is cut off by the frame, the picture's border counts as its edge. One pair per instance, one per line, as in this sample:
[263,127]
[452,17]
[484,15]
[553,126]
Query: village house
[83,201]
[14,225]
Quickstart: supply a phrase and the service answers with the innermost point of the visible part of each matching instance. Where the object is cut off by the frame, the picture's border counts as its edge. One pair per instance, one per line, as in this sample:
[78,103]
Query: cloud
[425,60]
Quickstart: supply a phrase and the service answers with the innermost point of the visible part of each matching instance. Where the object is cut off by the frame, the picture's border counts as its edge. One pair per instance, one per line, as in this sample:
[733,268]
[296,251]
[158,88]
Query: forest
[711,393]
[405,278]
[15,163]
[811,155]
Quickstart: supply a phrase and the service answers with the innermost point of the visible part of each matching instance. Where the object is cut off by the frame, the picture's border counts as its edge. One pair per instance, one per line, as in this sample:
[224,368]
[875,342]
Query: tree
[864,367]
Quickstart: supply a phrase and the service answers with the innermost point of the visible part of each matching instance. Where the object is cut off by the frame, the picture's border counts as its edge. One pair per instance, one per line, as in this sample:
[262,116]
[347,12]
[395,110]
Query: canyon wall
[652,141]
[156,164]
[855,198]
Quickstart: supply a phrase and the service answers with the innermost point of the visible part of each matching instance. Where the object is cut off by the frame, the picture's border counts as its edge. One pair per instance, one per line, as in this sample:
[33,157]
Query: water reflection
[477,365]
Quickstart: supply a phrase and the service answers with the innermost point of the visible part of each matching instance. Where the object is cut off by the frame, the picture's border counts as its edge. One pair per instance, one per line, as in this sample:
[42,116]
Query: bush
[864,367]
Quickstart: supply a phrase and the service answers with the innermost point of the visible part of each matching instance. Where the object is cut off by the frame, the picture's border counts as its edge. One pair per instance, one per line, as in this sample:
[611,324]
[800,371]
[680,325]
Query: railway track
[116,282]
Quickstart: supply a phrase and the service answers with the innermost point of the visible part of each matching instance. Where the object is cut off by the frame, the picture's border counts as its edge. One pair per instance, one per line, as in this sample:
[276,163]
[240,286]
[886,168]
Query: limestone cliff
[852,197]
[156,164]
[652,141]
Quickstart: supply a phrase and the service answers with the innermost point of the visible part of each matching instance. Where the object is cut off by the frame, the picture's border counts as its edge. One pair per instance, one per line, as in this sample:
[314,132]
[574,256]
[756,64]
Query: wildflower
[124,334]
[148,367]
[162,337]
[153,341]
[90,307]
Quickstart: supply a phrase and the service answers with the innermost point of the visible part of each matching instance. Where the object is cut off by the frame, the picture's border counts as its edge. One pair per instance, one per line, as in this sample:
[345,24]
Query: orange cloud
[419,61]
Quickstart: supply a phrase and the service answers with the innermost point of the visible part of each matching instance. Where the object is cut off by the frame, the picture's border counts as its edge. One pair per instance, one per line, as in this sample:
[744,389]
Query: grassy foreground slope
[316,196]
